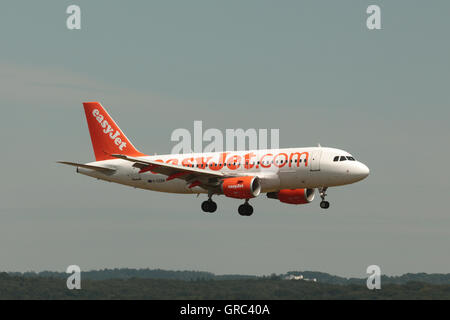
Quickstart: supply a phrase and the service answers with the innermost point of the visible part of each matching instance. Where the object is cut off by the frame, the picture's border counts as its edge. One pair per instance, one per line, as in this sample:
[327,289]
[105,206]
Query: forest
[161,284]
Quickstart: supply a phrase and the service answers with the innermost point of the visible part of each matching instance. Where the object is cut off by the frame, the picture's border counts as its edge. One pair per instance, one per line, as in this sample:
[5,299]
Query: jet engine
[293,196]
[241,187]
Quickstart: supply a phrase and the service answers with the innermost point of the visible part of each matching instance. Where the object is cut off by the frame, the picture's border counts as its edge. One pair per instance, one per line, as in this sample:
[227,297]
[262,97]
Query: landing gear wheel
[212,206]
[205,206]
[245,210]
[322,192]
[209,206]
[324,204]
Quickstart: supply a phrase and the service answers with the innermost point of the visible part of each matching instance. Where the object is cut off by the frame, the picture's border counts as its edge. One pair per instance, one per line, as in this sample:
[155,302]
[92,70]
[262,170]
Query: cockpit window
[343,158]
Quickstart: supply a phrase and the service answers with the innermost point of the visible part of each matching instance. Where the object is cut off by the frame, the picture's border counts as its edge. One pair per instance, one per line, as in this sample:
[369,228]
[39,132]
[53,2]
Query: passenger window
[336,158]
[343,158]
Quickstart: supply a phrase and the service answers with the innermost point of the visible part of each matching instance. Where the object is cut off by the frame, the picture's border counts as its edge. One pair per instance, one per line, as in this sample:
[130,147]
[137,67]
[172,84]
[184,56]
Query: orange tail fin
[106,136]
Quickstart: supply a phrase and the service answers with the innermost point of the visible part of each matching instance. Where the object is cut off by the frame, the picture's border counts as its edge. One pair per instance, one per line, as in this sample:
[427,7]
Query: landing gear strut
[209,205]
[245,209]
[322,192]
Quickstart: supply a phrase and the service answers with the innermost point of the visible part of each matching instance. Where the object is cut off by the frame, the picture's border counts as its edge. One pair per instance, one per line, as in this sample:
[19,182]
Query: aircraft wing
[196,176]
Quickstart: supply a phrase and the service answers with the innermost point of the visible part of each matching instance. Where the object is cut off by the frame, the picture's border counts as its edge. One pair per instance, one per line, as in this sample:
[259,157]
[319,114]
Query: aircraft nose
[361,171]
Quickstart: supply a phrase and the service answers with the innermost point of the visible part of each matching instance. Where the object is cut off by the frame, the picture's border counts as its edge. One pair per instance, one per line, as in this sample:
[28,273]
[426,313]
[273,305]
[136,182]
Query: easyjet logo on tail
[108,130]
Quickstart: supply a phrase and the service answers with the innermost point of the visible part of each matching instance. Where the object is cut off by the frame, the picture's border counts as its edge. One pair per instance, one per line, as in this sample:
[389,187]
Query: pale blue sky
[309,68]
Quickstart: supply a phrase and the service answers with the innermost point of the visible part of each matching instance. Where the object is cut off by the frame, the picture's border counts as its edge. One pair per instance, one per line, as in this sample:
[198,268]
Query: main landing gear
[245,209]
[209,205]
[322,192]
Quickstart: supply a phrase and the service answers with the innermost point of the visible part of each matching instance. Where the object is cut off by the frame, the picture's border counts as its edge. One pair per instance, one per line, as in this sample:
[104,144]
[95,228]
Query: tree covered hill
[127,273]
[434,278]
[19,287]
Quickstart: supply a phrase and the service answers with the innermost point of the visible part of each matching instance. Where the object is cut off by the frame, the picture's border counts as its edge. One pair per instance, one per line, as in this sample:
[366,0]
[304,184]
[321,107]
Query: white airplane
[289,175]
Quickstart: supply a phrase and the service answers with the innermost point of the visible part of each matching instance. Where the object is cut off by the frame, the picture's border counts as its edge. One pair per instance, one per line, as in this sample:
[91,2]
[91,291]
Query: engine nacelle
[241,187]
[293,196]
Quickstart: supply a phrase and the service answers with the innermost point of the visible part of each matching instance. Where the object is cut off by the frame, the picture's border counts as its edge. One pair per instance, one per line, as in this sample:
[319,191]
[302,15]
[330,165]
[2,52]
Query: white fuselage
[277,169]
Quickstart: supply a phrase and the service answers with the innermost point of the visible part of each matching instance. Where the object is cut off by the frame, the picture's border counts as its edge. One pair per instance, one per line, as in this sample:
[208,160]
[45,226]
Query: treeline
[434,278]
[19,287]
[126,273]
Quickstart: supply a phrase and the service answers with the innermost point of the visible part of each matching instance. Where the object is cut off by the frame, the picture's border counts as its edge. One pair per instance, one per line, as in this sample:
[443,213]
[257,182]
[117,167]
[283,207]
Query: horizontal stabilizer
[87,166]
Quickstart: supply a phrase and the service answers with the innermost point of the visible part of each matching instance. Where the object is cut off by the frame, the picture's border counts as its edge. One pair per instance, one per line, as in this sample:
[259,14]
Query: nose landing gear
[324,204]
[322,192]
[245,209]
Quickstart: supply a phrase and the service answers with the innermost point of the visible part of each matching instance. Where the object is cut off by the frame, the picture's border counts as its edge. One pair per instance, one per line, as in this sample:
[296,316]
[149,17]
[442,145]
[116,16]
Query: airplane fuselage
[289,168]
